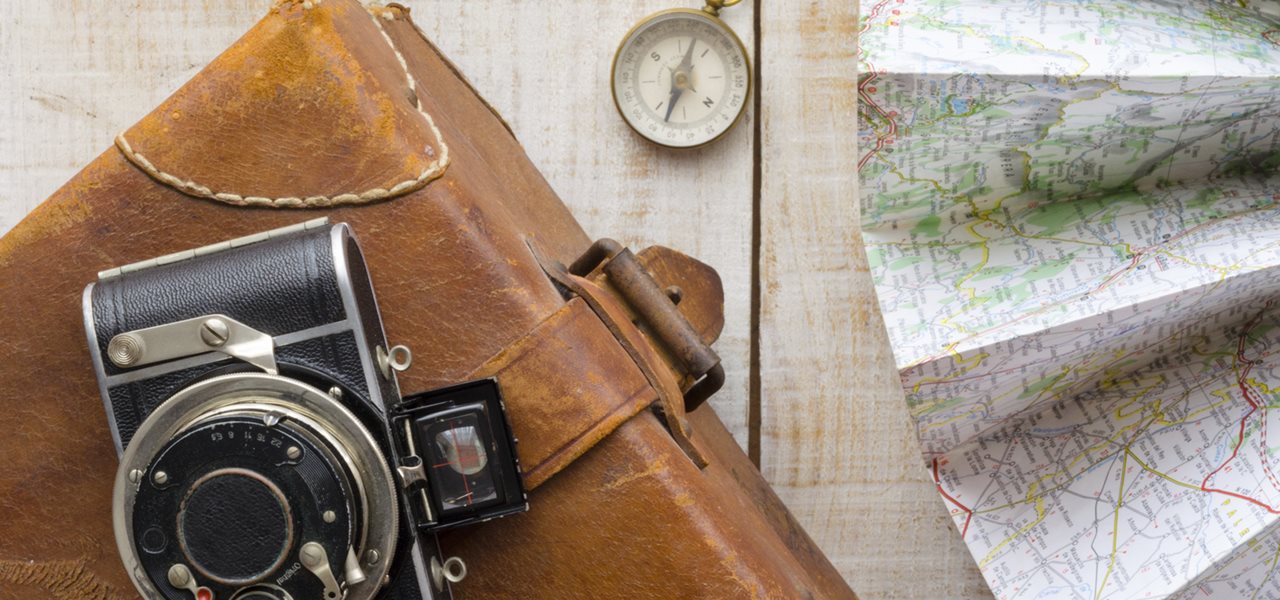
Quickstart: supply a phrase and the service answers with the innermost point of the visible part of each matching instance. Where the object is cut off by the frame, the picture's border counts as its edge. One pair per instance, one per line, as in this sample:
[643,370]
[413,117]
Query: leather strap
[662,378]
[558,419]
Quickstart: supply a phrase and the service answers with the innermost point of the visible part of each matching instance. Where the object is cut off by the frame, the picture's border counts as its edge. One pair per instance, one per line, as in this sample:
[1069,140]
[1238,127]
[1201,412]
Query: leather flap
[243,131]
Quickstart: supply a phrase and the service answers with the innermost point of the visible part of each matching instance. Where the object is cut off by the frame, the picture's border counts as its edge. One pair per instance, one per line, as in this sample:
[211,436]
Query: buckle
[658,312]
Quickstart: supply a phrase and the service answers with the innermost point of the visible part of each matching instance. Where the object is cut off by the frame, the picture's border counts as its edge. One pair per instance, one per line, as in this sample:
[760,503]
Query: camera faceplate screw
[312,555]
[330,516]
[455,570]
[180,576]
[272,418]
[160,478]
[214,332]
[294,452]
[372,557]
[135,475]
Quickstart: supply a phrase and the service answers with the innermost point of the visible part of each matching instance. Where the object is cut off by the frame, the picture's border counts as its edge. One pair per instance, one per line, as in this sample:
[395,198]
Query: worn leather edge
[757,493]
[434,170]
[453,67]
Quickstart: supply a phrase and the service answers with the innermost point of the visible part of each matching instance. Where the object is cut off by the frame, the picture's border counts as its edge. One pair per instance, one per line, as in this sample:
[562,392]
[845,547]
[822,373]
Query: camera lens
[251,486]
[240,496]
[235,525]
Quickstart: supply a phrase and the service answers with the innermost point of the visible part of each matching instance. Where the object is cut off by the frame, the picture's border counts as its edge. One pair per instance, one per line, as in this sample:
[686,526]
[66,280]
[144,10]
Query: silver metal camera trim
[347,291]
[236,392]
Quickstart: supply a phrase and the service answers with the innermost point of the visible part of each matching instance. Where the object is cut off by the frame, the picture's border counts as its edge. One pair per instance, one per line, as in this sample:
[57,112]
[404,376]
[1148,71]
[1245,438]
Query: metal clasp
[658,309]
[210,333]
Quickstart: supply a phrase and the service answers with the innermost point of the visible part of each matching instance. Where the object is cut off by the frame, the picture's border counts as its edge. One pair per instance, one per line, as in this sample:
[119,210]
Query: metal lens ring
[283,455]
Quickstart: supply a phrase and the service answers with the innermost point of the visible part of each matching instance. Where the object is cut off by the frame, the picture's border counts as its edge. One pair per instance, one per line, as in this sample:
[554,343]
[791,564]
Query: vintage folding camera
[266,452]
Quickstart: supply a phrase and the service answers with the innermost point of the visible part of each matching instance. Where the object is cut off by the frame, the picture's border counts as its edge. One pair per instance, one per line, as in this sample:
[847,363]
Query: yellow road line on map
[963,365]
[1137,397]
[1077,55]
[1274,559]
[1164,476]
[1039,505]
[1115,525]
[982,263]
[974,408]
[1039,500]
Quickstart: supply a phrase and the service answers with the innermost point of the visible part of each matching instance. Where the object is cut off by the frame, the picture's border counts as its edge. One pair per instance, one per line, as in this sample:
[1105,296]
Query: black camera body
[252,396]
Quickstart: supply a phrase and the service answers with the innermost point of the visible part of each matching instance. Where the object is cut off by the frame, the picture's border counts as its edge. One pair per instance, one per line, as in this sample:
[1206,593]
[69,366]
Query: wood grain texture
[835,438]
[834,435]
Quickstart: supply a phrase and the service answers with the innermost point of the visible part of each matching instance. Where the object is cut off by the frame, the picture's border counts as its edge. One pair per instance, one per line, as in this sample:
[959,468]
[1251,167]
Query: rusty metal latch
[658,309]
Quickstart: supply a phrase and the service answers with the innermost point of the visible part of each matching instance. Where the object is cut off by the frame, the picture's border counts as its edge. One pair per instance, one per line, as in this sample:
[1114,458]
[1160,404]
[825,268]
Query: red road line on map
[875,12]
[1133,262]
[1262,454]
[1243,382]
[968,512]
[1138,255]
[872,75]
[881,141]
[1253,407]
[1024,317]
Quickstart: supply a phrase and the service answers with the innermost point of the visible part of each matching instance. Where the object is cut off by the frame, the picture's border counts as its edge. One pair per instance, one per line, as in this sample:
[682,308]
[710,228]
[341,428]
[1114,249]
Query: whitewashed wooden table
[812,392]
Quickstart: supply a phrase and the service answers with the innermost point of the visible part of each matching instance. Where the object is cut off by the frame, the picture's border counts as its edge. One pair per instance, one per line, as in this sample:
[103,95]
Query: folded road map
[1072,215]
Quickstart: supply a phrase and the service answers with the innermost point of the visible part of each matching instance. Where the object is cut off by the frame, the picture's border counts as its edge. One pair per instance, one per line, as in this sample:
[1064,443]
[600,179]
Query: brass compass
[681,77]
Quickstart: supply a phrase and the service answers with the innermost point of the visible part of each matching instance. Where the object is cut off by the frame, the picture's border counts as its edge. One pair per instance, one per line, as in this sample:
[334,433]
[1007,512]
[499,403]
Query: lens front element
[254,485]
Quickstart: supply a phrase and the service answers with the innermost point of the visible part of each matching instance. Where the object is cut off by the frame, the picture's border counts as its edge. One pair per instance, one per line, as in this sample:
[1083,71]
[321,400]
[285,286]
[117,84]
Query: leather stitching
[433,171]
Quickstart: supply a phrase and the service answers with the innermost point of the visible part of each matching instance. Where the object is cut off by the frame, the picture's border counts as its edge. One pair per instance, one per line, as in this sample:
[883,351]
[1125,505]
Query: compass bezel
[717,24]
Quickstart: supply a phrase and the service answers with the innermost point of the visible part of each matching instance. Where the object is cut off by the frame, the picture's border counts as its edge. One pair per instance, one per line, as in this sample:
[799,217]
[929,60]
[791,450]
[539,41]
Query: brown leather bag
[351,113]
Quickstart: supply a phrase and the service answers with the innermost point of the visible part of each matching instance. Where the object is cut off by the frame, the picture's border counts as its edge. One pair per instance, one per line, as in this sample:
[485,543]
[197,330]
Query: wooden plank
[835,438]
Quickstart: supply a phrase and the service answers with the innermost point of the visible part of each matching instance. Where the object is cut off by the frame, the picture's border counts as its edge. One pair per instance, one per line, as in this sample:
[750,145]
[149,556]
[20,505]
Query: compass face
[681,78]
